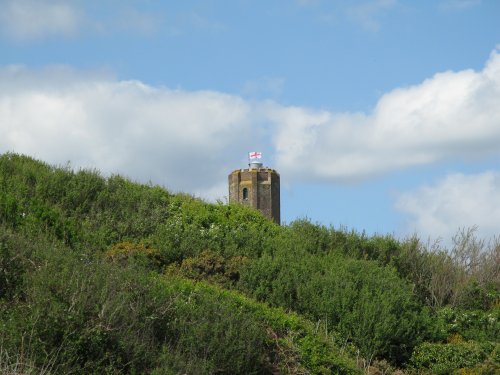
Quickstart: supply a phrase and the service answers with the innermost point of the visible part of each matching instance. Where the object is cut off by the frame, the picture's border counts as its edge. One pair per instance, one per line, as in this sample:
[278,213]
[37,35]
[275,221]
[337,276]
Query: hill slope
[110,276]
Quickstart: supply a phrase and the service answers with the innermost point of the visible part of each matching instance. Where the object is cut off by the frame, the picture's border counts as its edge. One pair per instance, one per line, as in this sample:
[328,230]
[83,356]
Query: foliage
[466,276]
[93,280]
[210,266]
[11,270]
[124,253]
[366,303]
[470,324]
[282,330]
[445,358]
[91,316]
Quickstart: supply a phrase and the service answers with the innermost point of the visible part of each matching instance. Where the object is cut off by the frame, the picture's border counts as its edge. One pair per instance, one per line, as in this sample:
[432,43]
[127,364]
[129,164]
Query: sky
[381,116]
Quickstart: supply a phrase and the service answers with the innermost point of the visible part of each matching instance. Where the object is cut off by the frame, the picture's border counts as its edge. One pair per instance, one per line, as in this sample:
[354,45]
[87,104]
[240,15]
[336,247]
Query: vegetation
[104,275]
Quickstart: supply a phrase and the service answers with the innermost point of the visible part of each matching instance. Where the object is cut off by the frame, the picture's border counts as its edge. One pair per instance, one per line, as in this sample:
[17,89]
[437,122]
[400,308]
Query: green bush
[472,324]
[83,314]
[12,269]
[447,358]
[367,303]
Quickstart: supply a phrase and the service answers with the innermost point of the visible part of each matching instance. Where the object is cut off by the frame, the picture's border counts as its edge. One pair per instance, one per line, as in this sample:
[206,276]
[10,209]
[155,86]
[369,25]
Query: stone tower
[257,187]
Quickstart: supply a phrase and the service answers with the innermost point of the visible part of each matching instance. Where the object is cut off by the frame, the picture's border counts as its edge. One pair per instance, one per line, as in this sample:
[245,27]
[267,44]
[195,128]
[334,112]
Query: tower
[257,187]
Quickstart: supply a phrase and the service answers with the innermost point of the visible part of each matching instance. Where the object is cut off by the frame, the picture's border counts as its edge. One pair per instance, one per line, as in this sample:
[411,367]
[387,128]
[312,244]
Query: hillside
[104,275]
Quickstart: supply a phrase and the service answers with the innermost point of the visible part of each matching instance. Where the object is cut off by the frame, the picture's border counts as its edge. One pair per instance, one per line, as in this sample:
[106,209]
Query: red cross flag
[254,155]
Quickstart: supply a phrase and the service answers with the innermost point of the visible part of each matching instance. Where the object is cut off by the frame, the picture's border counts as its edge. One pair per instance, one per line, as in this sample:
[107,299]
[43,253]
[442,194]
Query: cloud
[306,3]
[35,19]
[451,116]
[458,5]
[457,201]
[365,13]
[189,141]
[28,20]
[368,13]
[266,86]
[184,23]
[129,19]
[184,140]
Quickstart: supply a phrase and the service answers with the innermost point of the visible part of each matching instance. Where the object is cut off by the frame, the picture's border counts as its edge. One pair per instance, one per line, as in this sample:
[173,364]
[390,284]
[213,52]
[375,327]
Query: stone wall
[262,190]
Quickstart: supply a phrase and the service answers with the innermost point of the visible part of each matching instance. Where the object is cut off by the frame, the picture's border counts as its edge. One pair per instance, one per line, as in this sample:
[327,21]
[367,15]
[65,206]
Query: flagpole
[254,159]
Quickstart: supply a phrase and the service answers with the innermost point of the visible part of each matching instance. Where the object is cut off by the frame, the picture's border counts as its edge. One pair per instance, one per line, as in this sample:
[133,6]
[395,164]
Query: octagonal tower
[257,187]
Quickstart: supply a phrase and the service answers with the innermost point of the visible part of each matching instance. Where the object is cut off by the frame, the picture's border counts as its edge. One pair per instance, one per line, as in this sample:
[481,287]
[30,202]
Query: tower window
[245,194]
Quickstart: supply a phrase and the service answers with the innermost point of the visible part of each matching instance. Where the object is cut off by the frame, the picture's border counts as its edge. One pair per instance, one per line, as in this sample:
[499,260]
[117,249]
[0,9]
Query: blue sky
[380,115]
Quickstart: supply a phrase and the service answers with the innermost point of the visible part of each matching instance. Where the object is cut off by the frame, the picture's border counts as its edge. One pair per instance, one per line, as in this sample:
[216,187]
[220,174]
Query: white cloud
[365,13]
[457,5]
[457,201]
[189,141]
[184,140]
[368,13]
[265,86]
[307,2]
[453,115]
[28,20]
[129,19]
[35,19]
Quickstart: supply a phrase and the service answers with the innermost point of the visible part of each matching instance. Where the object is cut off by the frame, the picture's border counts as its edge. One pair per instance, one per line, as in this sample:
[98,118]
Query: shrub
[446,358]
[211,267]
[472,324]
[367,303]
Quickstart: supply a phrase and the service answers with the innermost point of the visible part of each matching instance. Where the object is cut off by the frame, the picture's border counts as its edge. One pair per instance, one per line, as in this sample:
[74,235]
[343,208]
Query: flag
[254,155]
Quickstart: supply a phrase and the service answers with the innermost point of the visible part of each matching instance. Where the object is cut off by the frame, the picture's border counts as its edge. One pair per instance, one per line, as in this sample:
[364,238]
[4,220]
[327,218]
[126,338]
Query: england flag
[254,155]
